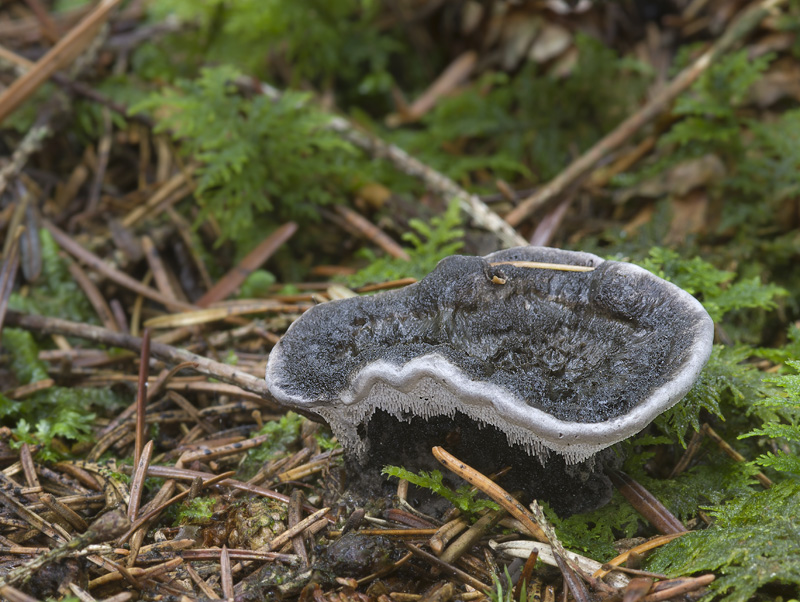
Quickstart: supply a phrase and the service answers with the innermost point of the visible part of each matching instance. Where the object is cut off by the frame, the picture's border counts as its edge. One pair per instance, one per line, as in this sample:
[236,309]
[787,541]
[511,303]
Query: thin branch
[471,204]
[742,26]
[166,353]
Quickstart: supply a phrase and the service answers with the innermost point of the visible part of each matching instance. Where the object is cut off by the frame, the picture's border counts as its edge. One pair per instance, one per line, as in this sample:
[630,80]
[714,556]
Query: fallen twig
[471,204]
[746,22]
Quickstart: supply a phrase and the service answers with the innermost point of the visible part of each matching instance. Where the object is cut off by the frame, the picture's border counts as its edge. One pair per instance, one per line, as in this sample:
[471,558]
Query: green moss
[197,511]
[752,543]
[462,498]
[55,293]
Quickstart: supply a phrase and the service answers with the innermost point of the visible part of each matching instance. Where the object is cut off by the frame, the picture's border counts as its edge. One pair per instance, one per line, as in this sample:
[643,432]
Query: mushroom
[568,360]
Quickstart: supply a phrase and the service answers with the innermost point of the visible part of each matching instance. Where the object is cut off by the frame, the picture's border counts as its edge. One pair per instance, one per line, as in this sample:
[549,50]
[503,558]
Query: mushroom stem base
[567,488]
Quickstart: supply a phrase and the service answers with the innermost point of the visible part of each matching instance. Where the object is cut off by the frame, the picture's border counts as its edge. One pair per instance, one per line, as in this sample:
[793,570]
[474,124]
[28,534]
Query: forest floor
[181,181]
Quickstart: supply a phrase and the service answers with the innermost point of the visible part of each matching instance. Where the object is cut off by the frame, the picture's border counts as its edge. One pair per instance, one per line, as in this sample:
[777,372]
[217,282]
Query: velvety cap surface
[569,361]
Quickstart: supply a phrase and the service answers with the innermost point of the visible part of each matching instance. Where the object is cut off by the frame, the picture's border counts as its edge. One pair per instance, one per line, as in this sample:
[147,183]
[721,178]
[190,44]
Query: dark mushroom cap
[559,360]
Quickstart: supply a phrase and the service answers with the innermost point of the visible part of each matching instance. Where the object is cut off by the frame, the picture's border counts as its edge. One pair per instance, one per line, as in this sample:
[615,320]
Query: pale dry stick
[227,575]
[743,25]
[541,530]
[137,481]
[471,204]
[561,267]
[650,544]
[25,85]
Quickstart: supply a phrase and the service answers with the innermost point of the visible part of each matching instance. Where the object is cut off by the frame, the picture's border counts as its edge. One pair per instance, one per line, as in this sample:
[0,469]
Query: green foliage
[322,41]
[51,414]
[715,481]
[430,243]
[196,512]
[256,284]
[24,352]
[462,498]
[595,532]
[282,433]
[726,382]
[503,589]
[725,386]
[715,288]
[786,406]
[528,125]
[56,293]
[710,121]
[752,543]
[787,352]
[262,162]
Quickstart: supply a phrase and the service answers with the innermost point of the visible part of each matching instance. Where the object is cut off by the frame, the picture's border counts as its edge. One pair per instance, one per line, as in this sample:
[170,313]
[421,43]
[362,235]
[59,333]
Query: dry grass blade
[491,489]
[68,46]
[141,396]
[546,266]
[254,260]
[225,572]
[449,568]
[651,544]
[518,511]
[137,482]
